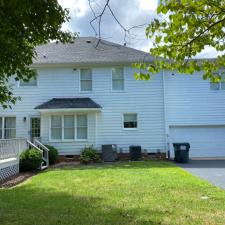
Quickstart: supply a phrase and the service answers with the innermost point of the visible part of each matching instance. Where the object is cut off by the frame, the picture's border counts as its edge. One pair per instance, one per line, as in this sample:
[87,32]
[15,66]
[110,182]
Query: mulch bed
[17,179]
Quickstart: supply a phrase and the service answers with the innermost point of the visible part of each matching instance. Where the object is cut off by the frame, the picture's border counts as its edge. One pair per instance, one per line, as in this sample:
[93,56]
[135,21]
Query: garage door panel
[208,141]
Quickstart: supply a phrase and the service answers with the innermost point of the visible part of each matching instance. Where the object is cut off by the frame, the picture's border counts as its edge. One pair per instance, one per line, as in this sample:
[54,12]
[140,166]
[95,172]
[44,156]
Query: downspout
[165,118]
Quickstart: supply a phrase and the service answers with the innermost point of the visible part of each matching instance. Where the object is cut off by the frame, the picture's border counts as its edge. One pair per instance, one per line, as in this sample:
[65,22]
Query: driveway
[211,170]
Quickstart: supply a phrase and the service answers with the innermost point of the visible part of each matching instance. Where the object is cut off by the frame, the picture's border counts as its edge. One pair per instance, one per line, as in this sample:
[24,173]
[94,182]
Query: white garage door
[205,141]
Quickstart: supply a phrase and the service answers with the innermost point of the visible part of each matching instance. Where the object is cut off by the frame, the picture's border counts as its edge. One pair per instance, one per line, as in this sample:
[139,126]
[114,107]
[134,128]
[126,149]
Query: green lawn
[121,193]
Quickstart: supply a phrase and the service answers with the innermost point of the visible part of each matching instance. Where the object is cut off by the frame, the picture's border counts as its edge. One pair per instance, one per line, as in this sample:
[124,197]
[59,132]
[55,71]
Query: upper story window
[117,79]
[85,80]
[7,127]
[218,85]
[130,121]
[31,82]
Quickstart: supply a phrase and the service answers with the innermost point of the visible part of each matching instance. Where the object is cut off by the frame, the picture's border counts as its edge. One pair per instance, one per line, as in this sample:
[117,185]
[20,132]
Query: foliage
[182,30]
[130,193]
[30,160]
[88,155]
[23,26]
[53,154]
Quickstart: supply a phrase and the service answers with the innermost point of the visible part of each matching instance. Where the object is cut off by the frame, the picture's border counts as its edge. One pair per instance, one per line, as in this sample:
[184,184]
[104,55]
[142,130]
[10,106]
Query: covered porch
[69,124]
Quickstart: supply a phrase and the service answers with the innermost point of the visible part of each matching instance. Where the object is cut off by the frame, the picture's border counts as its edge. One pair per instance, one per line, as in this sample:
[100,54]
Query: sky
[129,12]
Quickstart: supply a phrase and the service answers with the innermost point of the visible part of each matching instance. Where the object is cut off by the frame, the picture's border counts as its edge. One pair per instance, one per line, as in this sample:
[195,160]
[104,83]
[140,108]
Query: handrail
[39,143]
[34,146]
[44,149]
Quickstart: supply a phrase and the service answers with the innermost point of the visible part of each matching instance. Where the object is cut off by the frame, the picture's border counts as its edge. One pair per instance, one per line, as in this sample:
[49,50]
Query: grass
[141,193]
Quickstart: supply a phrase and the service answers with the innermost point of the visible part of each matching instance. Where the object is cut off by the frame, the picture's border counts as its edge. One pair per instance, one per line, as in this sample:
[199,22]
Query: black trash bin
[135,152]
[181,152]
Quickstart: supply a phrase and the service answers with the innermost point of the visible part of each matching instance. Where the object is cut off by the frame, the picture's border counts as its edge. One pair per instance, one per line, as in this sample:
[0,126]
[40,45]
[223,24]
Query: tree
[183,29]
[24,25]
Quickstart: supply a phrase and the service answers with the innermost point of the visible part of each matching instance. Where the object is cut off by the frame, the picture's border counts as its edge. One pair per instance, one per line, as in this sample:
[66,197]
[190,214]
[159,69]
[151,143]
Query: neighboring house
[85,95]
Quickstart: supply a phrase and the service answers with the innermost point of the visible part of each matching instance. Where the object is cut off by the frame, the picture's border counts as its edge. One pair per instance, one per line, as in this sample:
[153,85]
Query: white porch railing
[11,148]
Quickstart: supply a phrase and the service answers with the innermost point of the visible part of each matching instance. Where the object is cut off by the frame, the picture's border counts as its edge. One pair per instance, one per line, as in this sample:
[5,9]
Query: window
[69,127]
[7,127]
[35,127]
[218,85]
[214,86]
[82,127]
[63,127]
[56,127]
[130,121]
[31,82]
[85,80]
[117,79]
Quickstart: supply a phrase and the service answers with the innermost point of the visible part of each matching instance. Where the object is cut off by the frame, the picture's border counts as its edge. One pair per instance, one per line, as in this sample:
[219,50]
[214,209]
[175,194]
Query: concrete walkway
[211,170]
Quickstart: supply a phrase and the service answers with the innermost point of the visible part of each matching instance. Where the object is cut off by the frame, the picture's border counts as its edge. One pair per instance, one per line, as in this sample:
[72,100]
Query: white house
[87,95]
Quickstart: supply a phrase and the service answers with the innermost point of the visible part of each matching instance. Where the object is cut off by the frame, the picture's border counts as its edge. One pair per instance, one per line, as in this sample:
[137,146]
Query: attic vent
[88,41]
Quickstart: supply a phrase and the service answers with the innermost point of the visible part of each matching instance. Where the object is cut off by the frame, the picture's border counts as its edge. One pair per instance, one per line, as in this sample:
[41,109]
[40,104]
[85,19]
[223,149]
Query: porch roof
[69,104]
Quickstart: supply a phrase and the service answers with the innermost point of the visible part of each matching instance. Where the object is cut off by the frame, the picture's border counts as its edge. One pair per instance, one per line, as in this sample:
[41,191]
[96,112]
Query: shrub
[53,154]
[88,155]
[30,160]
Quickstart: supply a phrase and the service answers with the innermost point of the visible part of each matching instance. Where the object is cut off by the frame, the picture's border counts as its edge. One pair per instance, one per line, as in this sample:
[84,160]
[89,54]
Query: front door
[35,127]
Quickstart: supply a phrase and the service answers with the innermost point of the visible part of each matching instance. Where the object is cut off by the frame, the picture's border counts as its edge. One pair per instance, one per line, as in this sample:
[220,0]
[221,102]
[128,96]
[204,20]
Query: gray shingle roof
[84,53]
[69,103]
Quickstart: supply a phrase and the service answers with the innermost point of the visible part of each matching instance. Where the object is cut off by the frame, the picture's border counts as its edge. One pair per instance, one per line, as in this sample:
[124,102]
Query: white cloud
[129,13]
[148,4]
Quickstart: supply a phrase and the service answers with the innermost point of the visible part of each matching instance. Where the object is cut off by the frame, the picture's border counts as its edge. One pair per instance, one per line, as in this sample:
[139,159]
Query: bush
[88,155]
[30,160]
[53,154]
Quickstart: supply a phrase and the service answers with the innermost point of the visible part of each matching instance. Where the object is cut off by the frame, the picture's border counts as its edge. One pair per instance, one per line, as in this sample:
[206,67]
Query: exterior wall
[189,101]
[144,98]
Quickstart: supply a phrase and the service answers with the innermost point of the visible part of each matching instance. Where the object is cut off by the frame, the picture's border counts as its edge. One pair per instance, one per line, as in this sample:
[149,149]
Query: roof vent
[88,41]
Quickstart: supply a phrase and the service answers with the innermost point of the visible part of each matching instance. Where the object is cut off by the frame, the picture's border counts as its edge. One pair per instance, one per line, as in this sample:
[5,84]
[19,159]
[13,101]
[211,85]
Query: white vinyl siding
[117,79]
[130,121]
[8,127]
[82,127]
[85,80]
[105,127]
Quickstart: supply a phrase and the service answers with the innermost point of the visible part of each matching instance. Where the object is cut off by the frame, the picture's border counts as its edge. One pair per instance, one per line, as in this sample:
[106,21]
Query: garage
[205,141]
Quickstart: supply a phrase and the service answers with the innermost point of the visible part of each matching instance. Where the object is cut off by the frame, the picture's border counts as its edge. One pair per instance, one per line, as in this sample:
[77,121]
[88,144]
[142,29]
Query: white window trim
[111,80]
[136,128]
[75,128]
[79,71]
[3,125]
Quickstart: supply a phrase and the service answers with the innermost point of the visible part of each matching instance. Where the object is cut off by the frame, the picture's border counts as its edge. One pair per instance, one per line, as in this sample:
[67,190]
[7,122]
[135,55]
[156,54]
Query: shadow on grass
[27,205]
